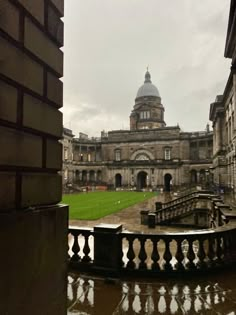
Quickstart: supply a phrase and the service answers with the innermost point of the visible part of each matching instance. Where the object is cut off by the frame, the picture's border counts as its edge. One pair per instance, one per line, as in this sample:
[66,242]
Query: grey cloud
[109,43]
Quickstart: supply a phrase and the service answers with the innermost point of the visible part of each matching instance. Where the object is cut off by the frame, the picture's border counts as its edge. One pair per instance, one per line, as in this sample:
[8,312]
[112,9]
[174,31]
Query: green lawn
[95,205]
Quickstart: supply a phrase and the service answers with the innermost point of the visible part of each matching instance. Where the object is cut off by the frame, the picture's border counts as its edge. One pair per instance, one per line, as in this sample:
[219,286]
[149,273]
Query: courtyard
[204,294]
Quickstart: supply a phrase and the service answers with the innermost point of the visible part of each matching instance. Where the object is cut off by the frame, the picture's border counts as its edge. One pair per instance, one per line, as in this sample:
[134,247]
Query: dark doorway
[77,175]
[202,176]
[91,176]
[99,176]
[193,175]
[84,177]
[142,180]
[118,180]
[167,182]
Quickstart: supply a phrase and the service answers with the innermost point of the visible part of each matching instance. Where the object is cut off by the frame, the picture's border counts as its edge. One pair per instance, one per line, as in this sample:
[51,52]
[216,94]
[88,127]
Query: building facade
[149,155]
[222,115]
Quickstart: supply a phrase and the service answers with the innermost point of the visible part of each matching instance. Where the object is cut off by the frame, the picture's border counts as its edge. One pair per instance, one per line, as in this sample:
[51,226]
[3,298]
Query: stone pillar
[107,247]
[33,228]
[95,176]
[198,177]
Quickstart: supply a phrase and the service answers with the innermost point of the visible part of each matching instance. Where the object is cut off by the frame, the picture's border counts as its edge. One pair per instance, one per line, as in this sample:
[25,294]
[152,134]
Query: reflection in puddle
[95,296]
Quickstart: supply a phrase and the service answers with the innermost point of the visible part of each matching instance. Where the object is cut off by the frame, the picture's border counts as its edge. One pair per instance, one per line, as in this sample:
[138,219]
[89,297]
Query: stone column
[33,227]
[198,177]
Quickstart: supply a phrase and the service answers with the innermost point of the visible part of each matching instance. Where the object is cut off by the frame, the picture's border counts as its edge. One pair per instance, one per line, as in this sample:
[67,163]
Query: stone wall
[33,227]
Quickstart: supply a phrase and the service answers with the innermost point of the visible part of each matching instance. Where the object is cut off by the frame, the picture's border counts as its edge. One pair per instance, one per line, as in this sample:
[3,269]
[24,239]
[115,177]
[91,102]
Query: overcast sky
[109,43]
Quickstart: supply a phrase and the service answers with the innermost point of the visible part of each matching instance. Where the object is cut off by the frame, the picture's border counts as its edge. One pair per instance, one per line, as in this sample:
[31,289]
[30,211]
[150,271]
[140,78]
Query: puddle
[199,296]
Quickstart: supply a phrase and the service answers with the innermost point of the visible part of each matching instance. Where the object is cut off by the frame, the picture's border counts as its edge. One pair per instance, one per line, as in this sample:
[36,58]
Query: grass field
[95,205]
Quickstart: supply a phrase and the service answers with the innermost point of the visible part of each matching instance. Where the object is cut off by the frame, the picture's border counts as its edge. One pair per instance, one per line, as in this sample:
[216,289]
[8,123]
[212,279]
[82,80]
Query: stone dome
[148,89]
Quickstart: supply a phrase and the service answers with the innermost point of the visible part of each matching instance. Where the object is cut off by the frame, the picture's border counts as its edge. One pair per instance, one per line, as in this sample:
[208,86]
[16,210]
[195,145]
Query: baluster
[190,255]
[219,250]
[211,252]
[68,249]
[130,254]
[226,249]
[179,256]
[167,255]
[201,254]
[142,298]
[233,250]
[164,215]
[142,254]
[155,255]
[168,215]
[161,215]
[86,249]
[158,220]
[75,247]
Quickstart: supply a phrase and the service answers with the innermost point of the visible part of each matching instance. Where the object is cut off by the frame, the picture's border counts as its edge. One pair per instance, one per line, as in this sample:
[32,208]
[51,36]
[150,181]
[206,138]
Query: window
[66,154]
[117,155]
[167,153]
[66,174]
[145,115]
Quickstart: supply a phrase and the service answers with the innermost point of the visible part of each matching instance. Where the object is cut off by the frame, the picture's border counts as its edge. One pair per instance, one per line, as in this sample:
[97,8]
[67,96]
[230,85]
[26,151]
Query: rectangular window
[167,154]
[145,115]
[65,154]
[117,155]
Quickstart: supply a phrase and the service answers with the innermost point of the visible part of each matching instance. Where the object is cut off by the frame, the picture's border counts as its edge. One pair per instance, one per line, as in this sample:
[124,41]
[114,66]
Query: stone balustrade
[200,204]
[109,249]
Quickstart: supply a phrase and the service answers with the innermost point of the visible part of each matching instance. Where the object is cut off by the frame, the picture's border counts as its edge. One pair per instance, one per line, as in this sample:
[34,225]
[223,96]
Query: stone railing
[108,249]
[182,199]
[199,204]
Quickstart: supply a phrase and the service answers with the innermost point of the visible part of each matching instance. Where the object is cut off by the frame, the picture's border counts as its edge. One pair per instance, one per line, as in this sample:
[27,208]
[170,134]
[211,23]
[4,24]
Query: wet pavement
[130,217]
[215,294]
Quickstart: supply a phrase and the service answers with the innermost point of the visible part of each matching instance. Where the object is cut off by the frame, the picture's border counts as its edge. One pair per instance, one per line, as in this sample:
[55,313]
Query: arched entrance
[142,180]
[84,177]
[202,176]
[99,176]
[167,182]
[91,176]
[118,180]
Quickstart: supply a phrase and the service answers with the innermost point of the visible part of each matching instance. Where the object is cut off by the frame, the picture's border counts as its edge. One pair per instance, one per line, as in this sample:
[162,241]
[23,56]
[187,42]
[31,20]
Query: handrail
[180,207]
[162,252]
